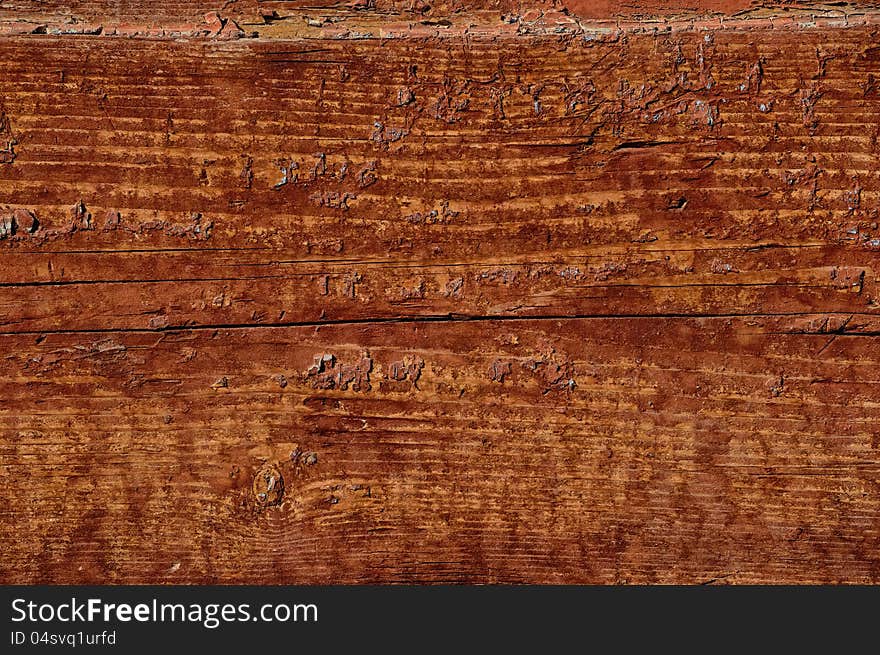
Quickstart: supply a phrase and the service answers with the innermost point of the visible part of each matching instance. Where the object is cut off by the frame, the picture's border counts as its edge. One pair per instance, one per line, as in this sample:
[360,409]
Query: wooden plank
[556,188]
[605,450]
[531,301]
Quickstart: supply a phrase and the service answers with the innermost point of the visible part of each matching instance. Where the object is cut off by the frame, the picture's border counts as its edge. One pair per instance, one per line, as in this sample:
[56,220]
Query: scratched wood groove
[282,301]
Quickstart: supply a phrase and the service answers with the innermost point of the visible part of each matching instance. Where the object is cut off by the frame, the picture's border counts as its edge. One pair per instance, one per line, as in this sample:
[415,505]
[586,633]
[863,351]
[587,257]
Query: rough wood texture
[528,297]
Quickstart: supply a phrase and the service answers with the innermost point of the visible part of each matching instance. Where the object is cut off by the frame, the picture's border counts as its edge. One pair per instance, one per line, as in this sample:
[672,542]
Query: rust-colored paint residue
[507,294]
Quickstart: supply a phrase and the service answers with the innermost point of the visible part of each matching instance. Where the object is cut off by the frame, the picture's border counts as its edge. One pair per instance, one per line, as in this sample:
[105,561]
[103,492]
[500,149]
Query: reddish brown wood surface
[544,294]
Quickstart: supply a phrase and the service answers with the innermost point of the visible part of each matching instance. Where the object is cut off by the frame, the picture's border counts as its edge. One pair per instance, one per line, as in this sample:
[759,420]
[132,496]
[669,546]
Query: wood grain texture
[540,300]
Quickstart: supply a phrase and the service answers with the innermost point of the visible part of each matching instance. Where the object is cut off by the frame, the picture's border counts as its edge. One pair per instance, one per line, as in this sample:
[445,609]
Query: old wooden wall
[472,292]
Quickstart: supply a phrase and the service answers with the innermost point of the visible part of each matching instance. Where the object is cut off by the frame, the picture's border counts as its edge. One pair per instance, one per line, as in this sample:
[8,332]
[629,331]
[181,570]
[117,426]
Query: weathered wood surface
[508,300]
